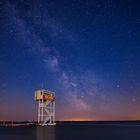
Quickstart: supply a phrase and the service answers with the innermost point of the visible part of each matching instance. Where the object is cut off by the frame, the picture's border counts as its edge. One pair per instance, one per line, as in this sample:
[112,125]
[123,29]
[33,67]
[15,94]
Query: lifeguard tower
[46,107]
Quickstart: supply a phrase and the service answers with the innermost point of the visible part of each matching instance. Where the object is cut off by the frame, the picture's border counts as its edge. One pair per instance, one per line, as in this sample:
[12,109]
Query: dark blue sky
[88,52]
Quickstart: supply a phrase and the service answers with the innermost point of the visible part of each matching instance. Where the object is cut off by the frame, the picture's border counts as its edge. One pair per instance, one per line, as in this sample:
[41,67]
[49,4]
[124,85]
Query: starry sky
[87,51]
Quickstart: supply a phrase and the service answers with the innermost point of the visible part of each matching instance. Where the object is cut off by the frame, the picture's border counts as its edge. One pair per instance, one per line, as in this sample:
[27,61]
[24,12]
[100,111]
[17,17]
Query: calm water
[71,132]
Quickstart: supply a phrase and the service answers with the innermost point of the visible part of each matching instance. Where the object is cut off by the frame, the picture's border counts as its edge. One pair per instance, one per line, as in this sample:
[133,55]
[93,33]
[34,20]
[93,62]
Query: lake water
[72,132]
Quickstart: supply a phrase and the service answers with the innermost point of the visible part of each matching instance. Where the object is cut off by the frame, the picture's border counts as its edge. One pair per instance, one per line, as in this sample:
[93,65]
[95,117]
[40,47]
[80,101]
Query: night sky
[87,51]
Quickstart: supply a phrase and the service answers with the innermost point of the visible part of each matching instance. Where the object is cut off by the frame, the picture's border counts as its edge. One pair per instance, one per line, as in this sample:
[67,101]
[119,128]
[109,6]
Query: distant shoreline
[94,123]
[117,121]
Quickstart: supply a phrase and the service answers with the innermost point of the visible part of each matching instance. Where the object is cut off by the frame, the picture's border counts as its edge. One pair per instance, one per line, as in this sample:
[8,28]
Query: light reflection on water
[71,132]
[45,133]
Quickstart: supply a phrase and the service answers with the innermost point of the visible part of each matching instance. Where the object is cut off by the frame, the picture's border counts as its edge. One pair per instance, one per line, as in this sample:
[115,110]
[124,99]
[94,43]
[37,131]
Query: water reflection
[45,133]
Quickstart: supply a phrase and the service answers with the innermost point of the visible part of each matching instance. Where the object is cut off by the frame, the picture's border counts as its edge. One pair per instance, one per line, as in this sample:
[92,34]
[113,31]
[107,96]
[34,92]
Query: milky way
[88,52]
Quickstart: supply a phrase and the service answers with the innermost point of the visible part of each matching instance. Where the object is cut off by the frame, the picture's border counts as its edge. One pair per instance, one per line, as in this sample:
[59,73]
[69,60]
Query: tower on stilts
[46,107]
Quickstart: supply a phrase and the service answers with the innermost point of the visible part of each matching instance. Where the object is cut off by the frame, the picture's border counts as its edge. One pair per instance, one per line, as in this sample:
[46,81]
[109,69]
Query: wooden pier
[17,124]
